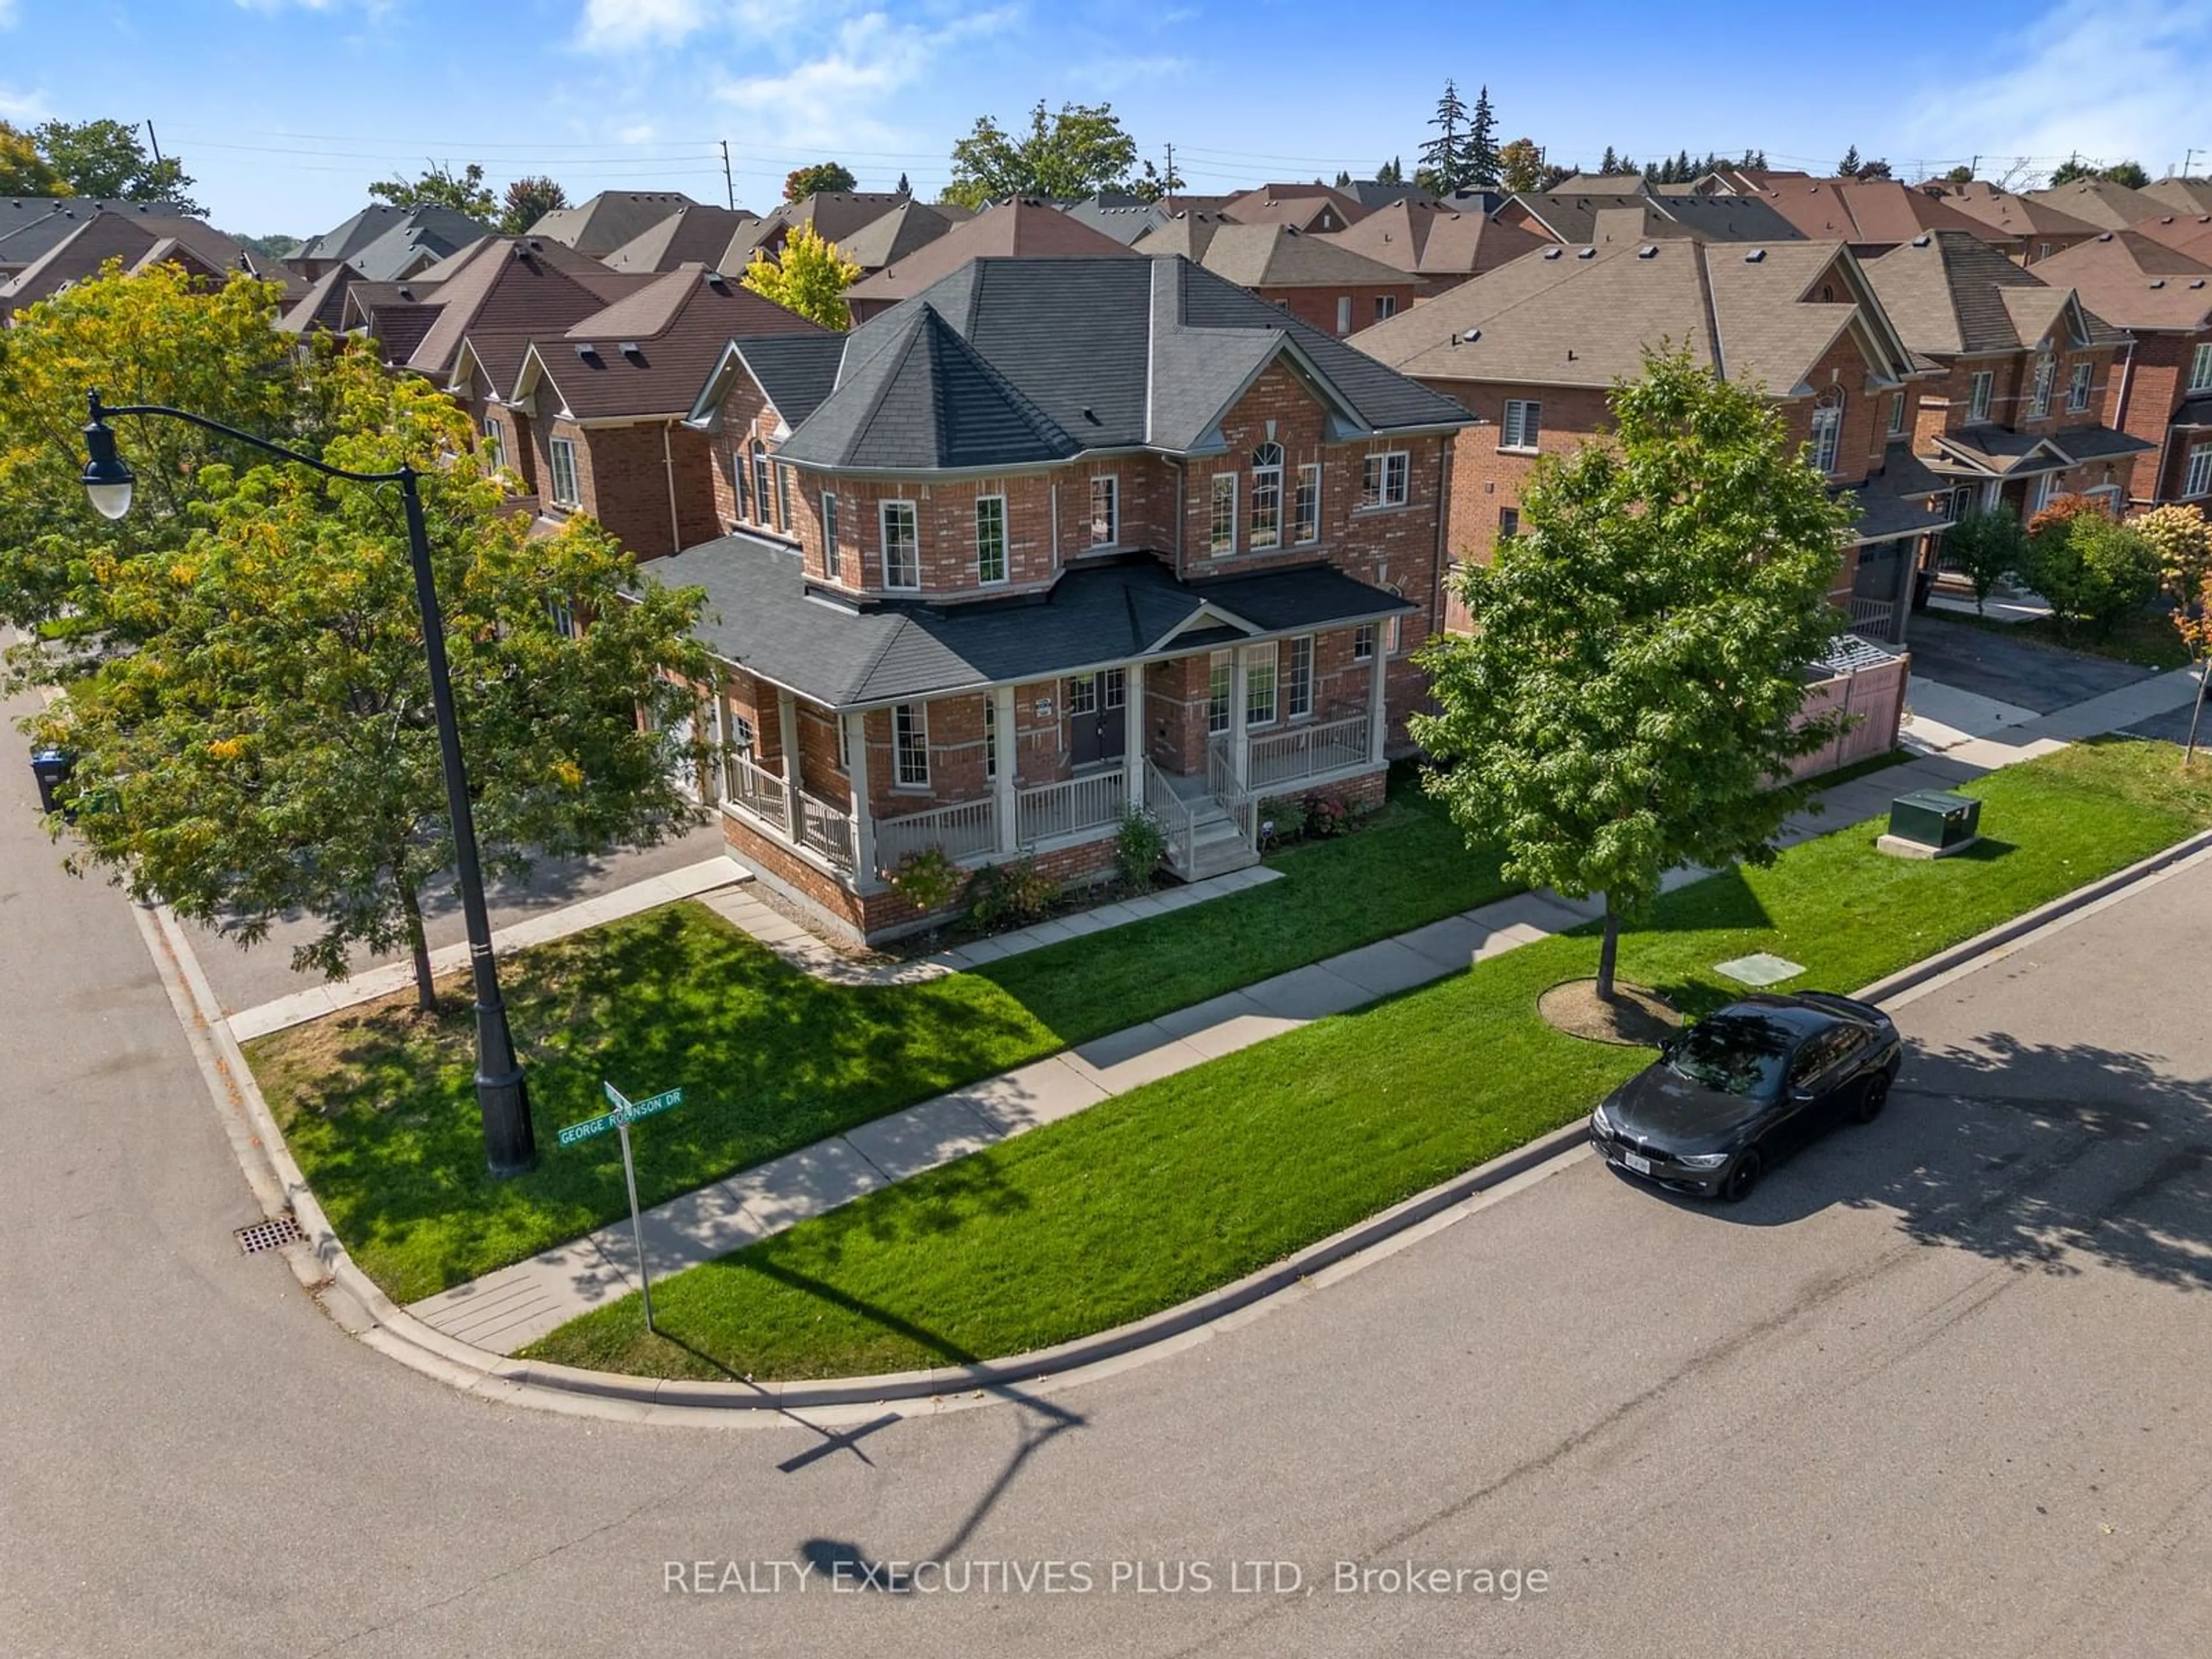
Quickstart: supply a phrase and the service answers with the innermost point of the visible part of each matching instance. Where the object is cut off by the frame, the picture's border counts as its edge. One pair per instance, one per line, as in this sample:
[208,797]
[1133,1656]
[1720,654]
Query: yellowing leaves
[568,775]
[226,749]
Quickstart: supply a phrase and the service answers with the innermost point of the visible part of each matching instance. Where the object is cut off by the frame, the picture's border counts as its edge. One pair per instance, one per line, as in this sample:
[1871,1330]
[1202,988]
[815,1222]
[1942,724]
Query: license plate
[1641,1165]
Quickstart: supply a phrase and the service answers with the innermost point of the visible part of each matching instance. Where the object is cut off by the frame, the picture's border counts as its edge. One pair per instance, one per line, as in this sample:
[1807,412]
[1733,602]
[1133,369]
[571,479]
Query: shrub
[1986,547]
[2091,567]
[1287,814]
[1327,816]
[927,880]
[1139,846]
[1014,893]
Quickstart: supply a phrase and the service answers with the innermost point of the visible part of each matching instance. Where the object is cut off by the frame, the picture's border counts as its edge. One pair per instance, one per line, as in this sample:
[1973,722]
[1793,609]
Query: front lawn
[1189,1183]
[379,1110]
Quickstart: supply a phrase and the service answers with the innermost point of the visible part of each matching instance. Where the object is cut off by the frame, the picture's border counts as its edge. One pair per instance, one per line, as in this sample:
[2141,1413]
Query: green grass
[1188,1183]
[2146,638]
[378,1107]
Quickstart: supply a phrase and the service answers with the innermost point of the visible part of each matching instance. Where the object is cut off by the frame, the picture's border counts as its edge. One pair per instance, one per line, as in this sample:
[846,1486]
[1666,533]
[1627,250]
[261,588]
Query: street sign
[627,1112]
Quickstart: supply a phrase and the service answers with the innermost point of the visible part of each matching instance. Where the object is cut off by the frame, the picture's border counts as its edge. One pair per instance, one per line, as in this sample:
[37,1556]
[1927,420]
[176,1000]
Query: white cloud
[1119,74]
[22,106]
[629,25]
[824,100]
[2114,80]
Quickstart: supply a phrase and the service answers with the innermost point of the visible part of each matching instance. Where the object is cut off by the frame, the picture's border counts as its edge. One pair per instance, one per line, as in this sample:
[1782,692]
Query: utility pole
[2187,156]
[729,186]
[1168,184]
[156,143]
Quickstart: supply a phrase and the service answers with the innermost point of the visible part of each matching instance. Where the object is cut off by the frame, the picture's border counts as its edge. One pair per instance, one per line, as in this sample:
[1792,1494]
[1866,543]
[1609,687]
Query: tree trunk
[426,987]
[2196,712]
[1608,951]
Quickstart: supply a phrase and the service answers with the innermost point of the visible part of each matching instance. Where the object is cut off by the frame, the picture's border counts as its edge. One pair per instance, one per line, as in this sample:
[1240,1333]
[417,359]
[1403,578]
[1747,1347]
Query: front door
[1097,730]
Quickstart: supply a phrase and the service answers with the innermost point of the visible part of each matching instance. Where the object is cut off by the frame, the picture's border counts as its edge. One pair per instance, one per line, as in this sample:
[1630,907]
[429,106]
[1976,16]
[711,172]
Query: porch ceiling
[762,616]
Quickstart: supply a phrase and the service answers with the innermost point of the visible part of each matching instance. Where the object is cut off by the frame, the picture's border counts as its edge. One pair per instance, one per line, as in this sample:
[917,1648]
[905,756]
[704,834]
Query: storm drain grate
[268,1235]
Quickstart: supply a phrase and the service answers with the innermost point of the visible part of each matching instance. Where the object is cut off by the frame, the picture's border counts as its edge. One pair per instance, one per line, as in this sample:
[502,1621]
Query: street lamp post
[502,1098]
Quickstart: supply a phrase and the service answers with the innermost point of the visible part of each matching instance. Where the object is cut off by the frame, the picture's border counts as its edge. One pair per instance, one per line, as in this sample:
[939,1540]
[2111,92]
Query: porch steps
[1218,847]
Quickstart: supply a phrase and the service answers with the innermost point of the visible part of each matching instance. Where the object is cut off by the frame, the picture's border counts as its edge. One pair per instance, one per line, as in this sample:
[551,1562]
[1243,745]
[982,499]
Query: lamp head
[106,479]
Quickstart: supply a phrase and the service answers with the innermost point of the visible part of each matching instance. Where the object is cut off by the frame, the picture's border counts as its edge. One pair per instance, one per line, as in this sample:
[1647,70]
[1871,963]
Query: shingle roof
[323,306]
[1122,218]
[1427,239]
[1583,318]
[2135,281]
[508,284]
[2189,233]
[645,356]
[1020,229]
[1062,356]
[1896,500]
[1277,255]
[760,615]
[139,241]
[2188,196]
[832,214]
[1952,293]
[438,230]
[693,234]
[1309,207]
[1570,217]
[32,225]
[1867,212]
[610,219]
[2102,203]
[894,236]
[2021,217]
[794,372]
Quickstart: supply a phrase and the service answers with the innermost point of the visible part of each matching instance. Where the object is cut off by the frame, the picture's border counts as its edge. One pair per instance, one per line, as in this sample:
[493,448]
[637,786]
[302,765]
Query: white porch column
[1378,711]
[863,821]
[1009,778]
[1132,734]
[1236,710]
[786,715]
[720,728]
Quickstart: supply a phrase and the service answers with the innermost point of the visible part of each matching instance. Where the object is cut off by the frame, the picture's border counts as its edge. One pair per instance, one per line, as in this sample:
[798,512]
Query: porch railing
[1069,806]
[1877,618]
[963,830]
[1305,751]
[1176,818]
[759,791]
[1242,804]
[826,830]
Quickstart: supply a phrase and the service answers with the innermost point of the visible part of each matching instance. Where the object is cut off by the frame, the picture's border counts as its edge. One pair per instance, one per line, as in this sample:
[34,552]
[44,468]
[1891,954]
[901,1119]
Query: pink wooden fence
[1873,698]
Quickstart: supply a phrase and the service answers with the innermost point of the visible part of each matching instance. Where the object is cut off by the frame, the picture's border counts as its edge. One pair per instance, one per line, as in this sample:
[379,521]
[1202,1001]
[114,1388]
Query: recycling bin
[51,767]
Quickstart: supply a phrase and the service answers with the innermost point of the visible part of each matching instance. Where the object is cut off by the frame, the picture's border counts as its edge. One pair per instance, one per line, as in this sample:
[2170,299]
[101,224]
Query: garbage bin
[51,767]
[1923,585]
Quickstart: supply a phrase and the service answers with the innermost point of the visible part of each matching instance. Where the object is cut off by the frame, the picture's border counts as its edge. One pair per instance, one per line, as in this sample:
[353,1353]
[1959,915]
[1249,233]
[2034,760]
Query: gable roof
[833,215]
[1869,212]
[1570,217]
[139,241]
[609,219]
[1122,218]
[1309,207]
[1952,294]
[645,355]
[2102,203]
[1427,238]
[1023,360]
[323,306]
[439,229]
[1277,255]
[693,234]
[2135,281]
[794,373]
[503,284]
[32,225]
[1583,317]
[2181,195]
[894,235]
[1020,229]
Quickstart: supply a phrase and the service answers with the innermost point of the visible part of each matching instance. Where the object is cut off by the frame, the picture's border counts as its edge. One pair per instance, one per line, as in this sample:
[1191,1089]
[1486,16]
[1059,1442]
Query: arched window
[1827,430]
[1267,496]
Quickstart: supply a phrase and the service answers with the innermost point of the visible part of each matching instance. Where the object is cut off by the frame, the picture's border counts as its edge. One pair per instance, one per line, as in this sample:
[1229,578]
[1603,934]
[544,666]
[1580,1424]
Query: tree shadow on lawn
[2046,1157]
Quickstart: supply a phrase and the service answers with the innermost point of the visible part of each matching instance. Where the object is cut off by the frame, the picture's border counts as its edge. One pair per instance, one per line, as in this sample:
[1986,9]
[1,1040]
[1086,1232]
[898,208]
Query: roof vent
[1585,253]
[1472,335]
[587,350]
[406,292]
[1921,239]
[628,349]
[1090,417]
[715,280]
[1649,251]
[2165,218]
[1756,255]
[2158,282]
[2104,235]
[2197,282]
[521,251]
[1553,252]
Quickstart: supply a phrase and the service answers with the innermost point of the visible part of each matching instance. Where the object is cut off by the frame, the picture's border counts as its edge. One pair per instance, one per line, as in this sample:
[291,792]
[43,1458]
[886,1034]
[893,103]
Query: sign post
[624,1114]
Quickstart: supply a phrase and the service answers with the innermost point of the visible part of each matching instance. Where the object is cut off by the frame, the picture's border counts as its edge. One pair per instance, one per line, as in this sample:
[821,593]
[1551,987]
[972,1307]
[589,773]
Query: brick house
[2015,413]
[593,419]
[509,289]
[1321,284]
[1534,349]
[1053,538]
[2162,393]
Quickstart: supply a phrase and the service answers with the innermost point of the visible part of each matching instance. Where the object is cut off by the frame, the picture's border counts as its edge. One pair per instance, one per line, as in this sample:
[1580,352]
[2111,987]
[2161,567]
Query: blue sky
[284,110]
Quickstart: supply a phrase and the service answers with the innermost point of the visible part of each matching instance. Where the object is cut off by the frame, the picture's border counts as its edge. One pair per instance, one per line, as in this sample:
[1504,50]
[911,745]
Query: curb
[358,1306]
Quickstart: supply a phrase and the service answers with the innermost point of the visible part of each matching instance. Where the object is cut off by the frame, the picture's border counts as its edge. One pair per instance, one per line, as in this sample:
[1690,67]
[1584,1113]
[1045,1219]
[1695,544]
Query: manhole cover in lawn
[1763,969]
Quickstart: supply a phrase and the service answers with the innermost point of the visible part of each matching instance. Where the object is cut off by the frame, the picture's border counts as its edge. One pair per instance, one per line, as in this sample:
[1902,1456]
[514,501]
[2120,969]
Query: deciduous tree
[439,186]
[1076,151]
[1986,547]
[1521,166]
[1632,694]
[23,171]
[529,200]
[802,182]
[810,277]
[106,160]
[2183,537]
[2093,569]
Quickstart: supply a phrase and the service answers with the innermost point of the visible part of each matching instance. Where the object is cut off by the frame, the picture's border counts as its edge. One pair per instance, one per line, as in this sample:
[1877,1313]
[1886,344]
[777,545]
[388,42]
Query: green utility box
[1932,823]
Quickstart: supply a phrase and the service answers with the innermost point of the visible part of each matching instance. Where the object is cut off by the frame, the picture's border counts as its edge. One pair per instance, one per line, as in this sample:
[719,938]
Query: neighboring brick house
[594,419]
[2033,228]
[1057,538]
[1303,207]
[2017,413]
[1442,246]
[1017,229]
[2162,392]
[1316,281]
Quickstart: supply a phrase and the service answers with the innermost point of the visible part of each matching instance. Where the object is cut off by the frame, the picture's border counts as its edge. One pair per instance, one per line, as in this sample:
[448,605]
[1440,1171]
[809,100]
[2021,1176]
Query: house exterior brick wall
[624,477]
[1318,306]
[2142,399]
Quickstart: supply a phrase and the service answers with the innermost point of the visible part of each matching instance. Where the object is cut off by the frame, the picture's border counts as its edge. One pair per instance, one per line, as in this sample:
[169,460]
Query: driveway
[2015,670]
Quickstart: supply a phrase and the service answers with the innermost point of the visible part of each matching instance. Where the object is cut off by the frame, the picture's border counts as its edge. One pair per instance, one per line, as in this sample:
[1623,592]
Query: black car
[1743,1087]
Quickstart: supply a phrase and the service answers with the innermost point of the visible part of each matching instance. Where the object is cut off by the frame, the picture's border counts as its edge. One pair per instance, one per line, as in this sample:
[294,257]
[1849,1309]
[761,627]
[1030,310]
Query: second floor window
[783,499]
[2199,480]
[759,481]
[1267,496]
[1978,395]
[901,545]
[2200,369]
[1386,306]
[1305,513]
[1105,511]
[1828,432]
[910,746]
[2077,387]
[1523,425]
[2039,400]
[561,452]
[1897,414]
[990,538]
[1382,479]
[1221,533]
[833,562]
[495,444]
[1343,313]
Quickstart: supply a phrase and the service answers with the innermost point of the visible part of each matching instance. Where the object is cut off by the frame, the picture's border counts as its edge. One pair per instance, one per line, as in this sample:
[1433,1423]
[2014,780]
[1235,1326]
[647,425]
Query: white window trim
[1286,677]
[1896,415]
[1364,641]
[884,532]
[1520,431]
[2046,378]
[559,451]
[1215,548]
[2046,486]
[756,459]
[1297,528]
[495,443]
[1113,483]
[1005,545]
[1219,674]
[1981,393]
[2197,479]
[1260,474]
[2200,368]
[1263,656]
[1386,306]
[2081,387]
[833,562]
[1343,314]
[1827,437]
[1384,501]
[917,719]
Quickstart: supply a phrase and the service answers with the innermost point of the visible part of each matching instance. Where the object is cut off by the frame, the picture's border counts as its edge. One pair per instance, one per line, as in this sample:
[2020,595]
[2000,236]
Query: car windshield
[1735,1054]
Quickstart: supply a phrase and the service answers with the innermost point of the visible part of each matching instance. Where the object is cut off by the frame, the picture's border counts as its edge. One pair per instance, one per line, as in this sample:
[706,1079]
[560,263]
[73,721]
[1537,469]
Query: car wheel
[1875,1097]
[1742,1176]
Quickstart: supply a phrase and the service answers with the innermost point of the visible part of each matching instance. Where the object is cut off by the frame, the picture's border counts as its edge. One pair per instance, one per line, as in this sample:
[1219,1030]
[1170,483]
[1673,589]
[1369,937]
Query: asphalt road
[1938,1389]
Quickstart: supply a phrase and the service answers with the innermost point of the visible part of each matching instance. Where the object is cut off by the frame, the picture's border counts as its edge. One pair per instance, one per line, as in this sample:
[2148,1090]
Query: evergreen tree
[1683,172]
[1609,162]
[1344,178]
[1445,156]
[1392,172]
[904,188]
[1848,166]
[1482,163]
